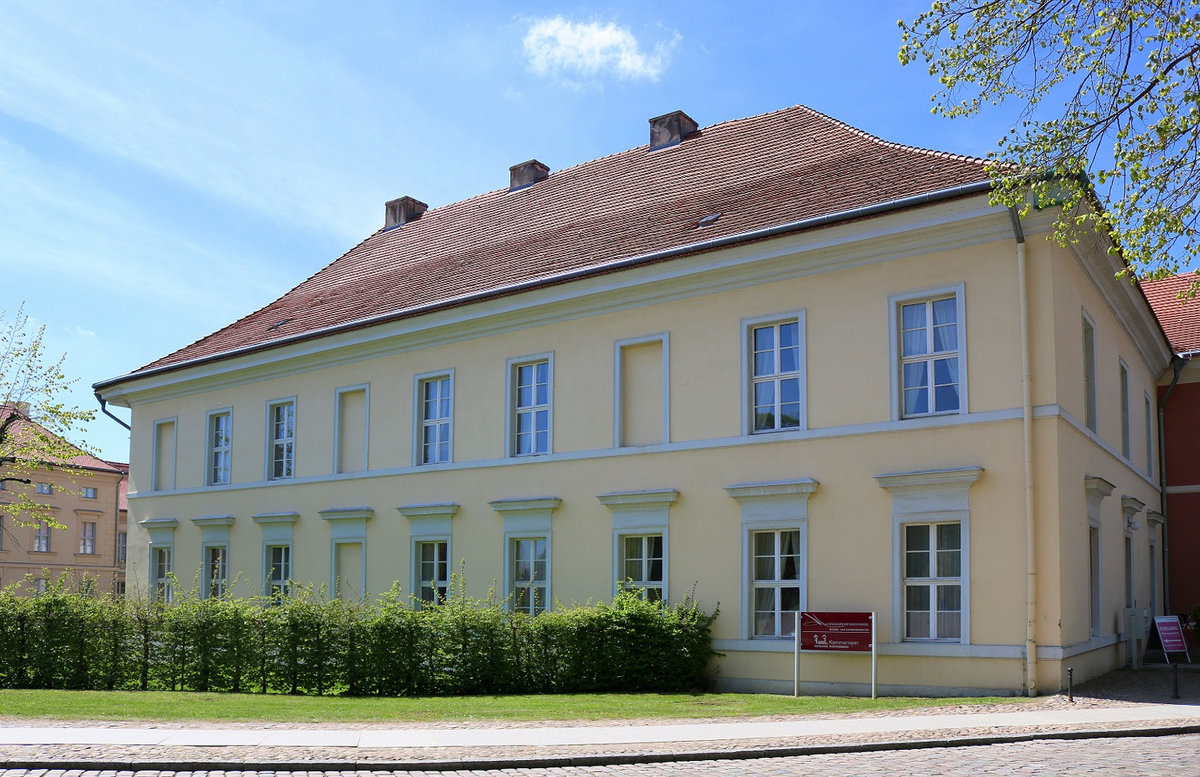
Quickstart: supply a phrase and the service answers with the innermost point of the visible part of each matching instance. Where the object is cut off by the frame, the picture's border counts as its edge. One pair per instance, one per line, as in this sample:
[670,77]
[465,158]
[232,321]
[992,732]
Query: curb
[615,759]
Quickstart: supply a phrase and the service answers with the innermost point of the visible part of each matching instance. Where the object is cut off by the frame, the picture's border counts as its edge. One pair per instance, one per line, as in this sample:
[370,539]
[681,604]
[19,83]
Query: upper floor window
[281,449]
[122,548]
[930,344]
[775,376]
[41,537]
[88,492]
[220,446]
[530,422]
[436,417]
[1123,379]
[45,488]
[87,537]
[1089,373]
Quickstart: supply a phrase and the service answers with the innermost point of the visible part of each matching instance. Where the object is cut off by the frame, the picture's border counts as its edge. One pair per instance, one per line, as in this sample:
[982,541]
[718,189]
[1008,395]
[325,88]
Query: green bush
[308,643]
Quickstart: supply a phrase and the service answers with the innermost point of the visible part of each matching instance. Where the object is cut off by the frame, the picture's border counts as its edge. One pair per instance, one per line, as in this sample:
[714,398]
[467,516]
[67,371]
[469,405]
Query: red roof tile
[1180,320]
[24,426]
[768,170]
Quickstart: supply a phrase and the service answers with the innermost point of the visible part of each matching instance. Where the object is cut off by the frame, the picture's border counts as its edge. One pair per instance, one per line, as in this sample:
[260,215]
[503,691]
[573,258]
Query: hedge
[311,644]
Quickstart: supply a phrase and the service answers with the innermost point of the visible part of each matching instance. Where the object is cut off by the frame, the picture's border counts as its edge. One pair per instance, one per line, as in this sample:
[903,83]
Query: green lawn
[167,706]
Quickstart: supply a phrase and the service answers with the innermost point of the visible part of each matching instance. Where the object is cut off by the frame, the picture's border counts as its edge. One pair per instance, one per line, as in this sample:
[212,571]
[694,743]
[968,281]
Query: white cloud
[556,46]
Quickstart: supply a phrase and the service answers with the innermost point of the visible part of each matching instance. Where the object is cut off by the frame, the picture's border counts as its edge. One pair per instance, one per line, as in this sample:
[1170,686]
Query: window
[41,537]
[220,431]
[930,347]
[436,416]
[279,571]
[528,581]
[88,492]
[775,376]
[161,561]
[433,571]
[1,530]
[87,587]
[122,545]
[776,583]
[933,581]
[281,452]
[642,564]
[162,467]
[215,570]
[1089,373]
[350,434]
[1094,579]
[87,537]
[1149,435]
[119,588]
[39,586]
[1123,373]
[1128,571]
[45,488]
[530,404]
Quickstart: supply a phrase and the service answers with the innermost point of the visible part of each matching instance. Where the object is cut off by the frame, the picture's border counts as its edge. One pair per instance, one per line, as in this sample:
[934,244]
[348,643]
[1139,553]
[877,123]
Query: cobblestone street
[1141,757]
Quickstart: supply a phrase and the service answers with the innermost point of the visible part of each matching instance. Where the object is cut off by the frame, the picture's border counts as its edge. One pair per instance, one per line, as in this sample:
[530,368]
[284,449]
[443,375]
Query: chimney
[399,212]
[526,174]
[670,129]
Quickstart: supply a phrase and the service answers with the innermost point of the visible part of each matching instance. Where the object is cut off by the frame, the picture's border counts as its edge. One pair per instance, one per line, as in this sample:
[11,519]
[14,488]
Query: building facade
[1179,397]
[86,546]
[777,364]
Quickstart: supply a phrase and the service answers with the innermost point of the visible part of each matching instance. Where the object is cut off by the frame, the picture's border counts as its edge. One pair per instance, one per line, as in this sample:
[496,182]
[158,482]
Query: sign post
[1170,633]
[837,632]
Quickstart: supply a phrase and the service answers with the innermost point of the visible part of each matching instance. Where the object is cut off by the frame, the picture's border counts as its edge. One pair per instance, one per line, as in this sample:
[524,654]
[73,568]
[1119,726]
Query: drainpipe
[1027,435]
[104,409]
[1178,362]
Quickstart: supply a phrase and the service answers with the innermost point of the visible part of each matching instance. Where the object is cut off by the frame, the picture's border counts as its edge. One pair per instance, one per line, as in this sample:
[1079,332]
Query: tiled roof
[768,170]
[25,426]
[1180,320]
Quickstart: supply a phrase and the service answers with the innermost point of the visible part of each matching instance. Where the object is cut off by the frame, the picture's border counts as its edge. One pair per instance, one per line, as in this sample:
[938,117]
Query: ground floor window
[933,581]
[433,571]
[161,564]
[529,583]
[642,564]
[776,582]
[279,571]
[216,566]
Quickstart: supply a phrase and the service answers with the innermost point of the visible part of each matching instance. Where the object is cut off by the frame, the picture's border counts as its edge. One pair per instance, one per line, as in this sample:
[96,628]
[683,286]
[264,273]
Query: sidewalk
[465,745]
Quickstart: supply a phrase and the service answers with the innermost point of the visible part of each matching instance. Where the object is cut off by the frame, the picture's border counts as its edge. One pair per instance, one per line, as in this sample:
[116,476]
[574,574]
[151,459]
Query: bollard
[1071,684]
[1175,690]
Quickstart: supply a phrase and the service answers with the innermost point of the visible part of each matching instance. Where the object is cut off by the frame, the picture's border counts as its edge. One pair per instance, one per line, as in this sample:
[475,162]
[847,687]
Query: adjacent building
[777,364]
[1179,397]
[87,546]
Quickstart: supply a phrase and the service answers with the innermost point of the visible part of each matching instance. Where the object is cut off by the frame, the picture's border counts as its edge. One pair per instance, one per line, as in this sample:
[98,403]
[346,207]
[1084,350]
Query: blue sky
[169,167]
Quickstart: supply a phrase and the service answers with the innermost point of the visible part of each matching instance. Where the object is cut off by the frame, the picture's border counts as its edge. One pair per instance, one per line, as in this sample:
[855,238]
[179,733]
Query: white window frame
[1126,410]
[347,526]
[664,339]
[207,579]
[930,497]
[339,424]
[534,584]
[527,519]
[652,589]
[87,538]
[427,523]
[775,583]
[932,581]
[88,492]
[288,443]
[641,514]
[1096,489]
[1149,405]
[439,583]
[41,537]
[211,451]
[1091,396]
[420,422]
[162,583]
[895,303]
[277,588]
[748,379]
[154,473]
[513,412]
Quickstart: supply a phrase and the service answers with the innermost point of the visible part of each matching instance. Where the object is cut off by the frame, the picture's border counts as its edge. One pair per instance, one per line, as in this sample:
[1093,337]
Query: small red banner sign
[839,631]
[1170,633]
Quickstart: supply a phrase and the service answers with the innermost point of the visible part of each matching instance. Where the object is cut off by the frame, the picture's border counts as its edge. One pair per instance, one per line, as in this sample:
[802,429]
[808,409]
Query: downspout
[1178,362]
[104,409]
[1027,435]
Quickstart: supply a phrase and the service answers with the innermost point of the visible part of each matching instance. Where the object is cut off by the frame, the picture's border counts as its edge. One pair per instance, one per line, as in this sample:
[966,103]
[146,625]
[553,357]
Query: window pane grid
[528,579]
[434,582]
[279,573]
[532,409]
[219,448]
[642,564]
[41,537]
[775,584]
[929,368]
[775,380]
[215,570]
[87,537]
[283,440]
[435,420]
[932,583]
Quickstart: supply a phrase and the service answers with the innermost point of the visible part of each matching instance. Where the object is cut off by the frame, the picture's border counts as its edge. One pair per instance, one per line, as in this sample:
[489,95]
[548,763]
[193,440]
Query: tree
[1120,155]
[34,422]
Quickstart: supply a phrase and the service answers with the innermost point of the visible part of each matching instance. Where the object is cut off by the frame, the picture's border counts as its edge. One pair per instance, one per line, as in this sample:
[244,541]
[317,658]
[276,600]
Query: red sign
[840,631]
[1170,633]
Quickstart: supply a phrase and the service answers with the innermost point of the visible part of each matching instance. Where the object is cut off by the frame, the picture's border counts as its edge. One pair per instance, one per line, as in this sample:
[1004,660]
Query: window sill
[43,553]
[86,555]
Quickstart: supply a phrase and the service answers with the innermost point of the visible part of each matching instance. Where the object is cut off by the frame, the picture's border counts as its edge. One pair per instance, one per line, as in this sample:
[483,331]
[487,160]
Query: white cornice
[347,513]
[939,478]
[542,504]
[213,520]
[651,498]
[432,510]
[802,487]
[946,226]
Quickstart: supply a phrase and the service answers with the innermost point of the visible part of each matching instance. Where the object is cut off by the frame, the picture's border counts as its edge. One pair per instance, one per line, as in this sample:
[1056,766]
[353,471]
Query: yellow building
[776,362]
[87,502]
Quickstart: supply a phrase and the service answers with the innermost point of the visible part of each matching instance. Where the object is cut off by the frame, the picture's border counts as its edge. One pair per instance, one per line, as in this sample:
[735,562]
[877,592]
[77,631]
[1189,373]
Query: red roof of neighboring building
[24,425]
[773,169]
[1180,320]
